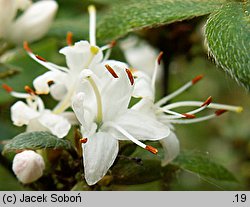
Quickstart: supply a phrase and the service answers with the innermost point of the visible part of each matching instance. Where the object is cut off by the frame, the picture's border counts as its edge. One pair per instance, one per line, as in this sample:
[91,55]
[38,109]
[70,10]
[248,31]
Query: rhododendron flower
[33,114]
[62,82]
[31,25]
[101,107]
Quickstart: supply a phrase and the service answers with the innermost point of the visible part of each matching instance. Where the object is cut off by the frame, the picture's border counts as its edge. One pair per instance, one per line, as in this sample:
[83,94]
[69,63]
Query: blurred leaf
[203,166]
[37,140]
[7,70]
[126,16]
[228,40]
[129,172]
[77,25]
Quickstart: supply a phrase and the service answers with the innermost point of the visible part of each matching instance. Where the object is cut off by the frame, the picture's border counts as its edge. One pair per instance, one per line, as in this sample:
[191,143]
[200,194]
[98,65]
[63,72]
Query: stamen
[130,76]
[69,38]
[159,58]
[112,43]
[7,88]
[197,78]
[83,140]
[207,102]
[131,138]
[151,149]
[92,24]
[40,58]
[237,109]
[220,111]
[189,116]
[179,91]
[111,70]
[94,50]
[29,90]
[50,82]
[26,46]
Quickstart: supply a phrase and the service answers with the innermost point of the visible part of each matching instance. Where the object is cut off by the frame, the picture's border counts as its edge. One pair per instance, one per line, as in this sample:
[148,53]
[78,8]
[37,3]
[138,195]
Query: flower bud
[28,166]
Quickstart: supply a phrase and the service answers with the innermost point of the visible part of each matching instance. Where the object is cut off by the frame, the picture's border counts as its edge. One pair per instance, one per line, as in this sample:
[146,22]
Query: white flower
[140,55]
[164,112]
[28,166]
[36,117]
[31,25]
[102,109]
[62,82]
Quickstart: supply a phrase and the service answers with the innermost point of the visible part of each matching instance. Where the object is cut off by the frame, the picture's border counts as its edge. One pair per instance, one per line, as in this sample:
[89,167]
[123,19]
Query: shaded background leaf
[228,40]
[202,165]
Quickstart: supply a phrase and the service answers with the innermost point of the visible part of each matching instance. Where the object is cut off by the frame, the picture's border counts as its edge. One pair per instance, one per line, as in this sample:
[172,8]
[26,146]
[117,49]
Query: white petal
[7,13]
[21,113]
[57,124]
[140,55]
[171,148]
[58,91]
[41,83]
[99,154]
[80,56]
[34,22]
[143,86]
[142,126]
[23,4]
[116,95]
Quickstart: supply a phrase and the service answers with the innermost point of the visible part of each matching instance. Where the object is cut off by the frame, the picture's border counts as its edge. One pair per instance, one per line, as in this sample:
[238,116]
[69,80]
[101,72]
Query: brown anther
[112,43]
[220,111]
[111,70]
[50,82]
[41,58]
[130,76]
[26,46]
[207,102]
[189,116]
[29,90]
[197,78]
[69,38]
[83,140]
[7,88]
[159,58]
[151,149]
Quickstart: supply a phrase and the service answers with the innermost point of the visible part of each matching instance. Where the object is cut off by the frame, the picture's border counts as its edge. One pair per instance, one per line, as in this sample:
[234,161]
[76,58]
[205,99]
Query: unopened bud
[28,166]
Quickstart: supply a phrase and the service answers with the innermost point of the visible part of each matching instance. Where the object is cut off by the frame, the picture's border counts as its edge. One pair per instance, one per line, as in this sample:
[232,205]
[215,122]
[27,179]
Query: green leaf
[228,40]
[37,140]
[7,70]
[203,166]
[131,15]
[128,171]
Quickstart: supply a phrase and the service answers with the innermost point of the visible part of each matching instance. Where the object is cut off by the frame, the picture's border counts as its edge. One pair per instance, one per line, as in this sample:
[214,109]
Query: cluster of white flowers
[31,25]
[99,92]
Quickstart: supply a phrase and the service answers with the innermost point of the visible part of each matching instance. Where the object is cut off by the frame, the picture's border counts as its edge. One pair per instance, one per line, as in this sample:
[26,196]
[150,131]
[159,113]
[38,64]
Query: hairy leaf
[126,16]
[37,140]
[228,40]
[203,166]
